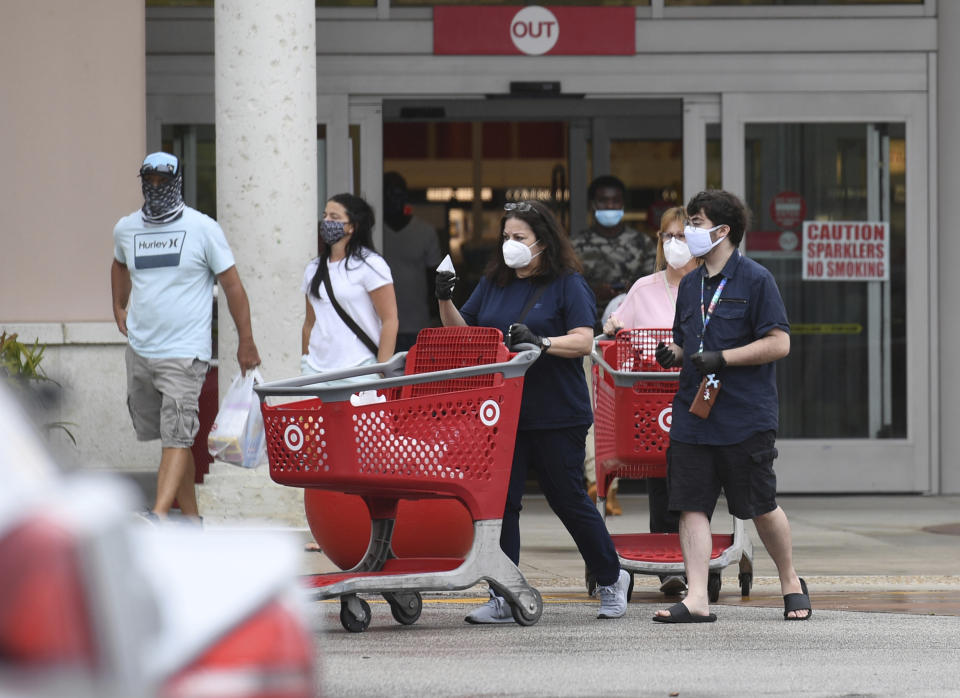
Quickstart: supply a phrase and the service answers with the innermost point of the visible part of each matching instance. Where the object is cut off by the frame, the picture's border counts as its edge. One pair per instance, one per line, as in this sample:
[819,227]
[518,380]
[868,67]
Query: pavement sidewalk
[859,553]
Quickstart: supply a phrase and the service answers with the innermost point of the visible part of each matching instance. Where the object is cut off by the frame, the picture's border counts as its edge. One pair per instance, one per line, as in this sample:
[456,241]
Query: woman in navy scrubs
[535,257]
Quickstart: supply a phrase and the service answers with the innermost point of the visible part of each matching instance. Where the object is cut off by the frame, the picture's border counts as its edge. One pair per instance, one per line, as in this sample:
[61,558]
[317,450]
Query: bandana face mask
[164,202]
[332,232]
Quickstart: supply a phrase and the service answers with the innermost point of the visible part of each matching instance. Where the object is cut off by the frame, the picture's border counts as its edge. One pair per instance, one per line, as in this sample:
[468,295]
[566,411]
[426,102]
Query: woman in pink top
[651,302]
[652,299]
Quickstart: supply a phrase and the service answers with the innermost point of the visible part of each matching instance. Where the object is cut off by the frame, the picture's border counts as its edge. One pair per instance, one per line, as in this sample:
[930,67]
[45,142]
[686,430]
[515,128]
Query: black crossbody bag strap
[533,300]
[347,320]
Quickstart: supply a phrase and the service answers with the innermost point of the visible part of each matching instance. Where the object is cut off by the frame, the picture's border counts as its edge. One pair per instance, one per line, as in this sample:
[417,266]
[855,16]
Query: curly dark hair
[722,208]
[558,256]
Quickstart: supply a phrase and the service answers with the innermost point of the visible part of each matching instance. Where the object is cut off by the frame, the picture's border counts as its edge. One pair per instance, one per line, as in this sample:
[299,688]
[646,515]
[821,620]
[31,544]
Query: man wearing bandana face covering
[167,258]
[729,328]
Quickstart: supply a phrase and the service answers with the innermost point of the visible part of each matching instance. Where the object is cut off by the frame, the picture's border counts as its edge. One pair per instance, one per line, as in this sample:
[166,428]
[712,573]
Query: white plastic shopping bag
[237,434]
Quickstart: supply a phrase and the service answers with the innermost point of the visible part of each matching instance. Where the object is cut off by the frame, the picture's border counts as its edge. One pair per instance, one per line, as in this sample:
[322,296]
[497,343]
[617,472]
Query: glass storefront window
[209,3]
[603,3]
[196,146]
[731,3]
[845,376]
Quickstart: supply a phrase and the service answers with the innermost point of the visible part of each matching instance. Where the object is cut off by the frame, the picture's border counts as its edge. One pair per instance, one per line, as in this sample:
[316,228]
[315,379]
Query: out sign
[534,30]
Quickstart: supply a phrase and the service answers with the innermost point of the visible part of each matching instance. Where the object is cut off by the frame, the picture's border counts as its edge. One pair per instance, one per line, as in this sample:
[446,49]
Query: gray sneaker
[613,598]
[496,610]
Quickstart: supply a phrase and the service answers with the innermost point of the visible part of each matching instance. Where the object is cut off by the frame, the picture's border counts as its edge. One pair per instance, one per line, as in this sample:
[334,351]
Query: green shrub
[21,369]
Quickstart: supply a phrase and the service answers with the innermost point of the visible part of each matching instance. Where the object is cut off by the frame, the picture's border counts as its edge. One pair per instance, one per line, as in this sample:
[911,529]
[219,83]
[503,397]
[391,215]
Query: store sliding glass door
[837,189]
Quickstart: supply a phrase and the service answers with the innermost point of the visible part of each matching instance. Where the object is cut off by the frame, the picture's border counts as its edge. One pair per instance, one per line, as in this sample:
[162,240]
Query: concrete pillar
[948,178]
[266,116]
[266,129]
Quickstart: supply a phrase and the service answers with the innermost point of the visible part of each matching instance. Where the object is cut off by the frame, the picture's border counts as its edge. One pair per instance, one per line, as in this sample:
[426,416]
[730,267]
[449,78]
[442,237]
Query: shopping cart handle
[314,386]
[628,378]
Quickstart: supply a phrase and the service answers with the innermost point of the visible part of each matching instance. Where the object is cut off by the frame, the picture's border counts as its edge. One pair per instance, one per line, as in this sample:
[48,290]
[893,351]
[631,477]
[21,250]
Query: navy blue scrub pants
[557,457]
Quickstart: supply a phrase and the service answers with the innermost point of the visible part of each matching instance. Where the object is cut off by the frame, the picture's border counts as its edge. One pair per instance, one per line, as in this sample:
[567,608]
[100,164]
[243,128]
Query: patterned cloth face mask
[162,203]
[332,232]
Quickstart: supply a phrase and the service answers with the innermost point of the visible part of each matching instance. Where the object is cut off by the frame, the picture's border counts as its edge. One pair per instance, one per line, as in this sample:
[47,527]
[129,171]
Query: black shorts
[696,472]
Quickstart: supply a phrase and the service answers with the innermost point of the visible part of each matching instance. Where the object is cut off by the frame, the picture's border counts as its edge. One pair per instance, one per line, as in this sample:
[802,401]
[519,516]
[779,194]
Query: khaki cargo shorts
[163,398]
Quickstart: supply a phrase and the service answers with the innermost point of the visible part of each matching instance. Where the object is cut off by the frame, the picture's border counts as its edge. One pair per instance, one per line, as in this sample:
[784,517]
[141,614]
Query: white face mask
[516,255]
[676,253]
[698,239]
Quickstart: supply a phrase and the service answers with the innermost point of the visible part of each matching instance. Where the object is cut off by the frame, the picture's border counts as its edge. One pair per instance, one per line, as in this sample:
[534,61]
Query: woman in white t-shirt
[652,302]
[362,285]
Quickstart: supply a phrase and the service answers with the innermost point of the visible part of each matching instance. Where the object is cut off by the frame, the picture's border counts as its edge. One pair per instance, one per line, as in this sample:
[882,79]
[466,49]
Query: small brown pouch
[706,396]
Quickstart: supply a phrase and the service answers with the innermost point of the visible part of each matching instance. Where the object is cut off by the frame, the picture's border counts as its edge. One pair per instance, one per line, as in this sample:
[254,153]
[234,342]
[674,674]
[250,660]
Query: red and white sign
[846,251]
[787,209]
[534,31]
[772,241]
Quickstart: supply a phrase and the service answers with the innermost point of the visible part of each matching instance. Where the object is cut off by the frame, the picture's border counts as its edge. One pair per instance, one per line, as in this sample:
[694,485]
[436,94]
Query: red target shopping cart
[633,398]
[443,425]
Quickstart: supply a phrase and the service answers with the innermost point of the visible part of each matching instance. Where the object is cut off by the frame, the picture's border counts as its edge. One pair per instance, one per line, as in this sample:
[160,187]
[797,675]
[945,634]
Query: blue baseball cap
[160,163]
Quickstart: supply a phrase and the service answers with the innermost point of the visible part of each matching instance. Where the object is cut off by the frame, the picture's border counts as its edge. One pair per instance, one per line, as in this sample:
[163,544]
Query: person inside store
[411,249]
[533,292]
[730,327]
[167,257]
[613,255]
[351,310]
[651,302]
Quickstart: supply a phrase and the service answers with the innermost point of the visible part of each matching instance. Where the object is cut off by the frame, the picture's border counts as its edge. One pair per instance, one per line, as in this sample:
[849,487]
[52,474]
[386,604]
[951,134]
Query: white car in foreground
[96,603]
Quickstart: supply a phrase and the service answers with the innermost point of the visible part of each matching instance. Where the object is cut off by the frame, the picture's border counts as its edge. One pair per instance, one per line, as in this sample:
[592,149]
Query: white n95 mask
[676,253]
[516,255]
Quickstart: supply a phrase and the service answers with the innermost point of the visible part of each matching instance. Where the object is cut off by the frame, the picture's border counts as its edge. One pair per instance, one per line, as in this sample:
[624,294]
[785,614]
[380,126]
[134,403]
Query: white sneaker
[613,598]
[673,584]
[496,610]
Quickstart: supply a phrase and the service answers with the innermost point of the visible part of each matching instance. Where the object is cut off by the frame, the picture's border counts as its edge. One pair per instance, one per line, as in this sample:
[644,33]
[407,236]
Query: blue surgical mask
[332,231]
[608,217]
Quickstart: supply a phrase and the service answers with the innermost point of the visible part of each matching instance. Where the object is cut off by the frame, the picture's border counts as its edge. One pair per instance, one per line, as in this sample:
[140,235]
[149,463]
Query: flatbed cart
[443,425]
[633,403]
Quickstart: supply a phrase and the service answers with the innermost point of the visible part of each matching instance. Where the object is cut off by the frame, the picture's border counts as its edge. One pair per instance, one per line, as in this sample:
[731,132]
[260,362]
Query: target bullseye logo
[489,413]
[293,437]
[665,418]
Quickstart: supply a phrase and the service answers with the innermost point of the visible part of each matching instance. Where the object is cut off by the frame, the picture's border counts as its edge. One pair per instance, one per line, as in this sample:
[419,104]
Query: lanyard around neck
[705,316]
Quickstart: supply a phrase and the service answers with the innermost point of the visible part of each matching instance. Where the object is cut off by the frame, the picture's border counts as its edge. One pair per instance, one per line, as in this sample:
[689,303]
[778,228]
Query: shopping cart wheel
[713,587]
[630,589]
[354,613]
[746,582]
[529,616]
[405,608]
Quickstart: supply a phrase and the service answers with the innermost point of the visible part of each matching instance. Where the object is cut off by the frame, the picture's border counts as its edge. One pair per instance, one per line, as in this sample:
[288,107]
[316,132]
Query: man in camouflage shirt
[613,254]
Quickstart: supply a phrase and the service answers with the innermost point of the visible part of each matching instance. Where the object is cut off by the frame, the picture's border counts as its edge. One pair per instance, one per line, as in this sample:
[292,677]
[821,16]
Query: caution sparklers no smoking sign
[846,251]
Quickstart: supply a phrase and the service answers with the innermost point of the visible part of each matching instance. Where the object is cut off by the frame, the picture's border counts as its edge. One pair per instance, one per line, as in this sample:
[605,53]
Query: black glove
[446,280]
[521,334]
[708,362]
[665,356]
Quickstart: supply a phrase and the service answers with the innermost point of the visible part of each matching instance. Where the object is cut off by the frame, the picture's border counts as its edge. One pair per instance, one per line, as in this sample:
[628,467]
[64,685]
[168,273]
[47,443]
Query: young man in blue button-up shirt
[729,329]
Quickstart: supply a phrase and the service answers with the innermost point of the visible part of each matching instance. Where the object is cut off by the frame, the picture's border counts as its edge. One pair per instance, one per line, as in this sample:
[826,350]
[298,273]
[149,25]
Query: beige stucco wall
[72,110]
